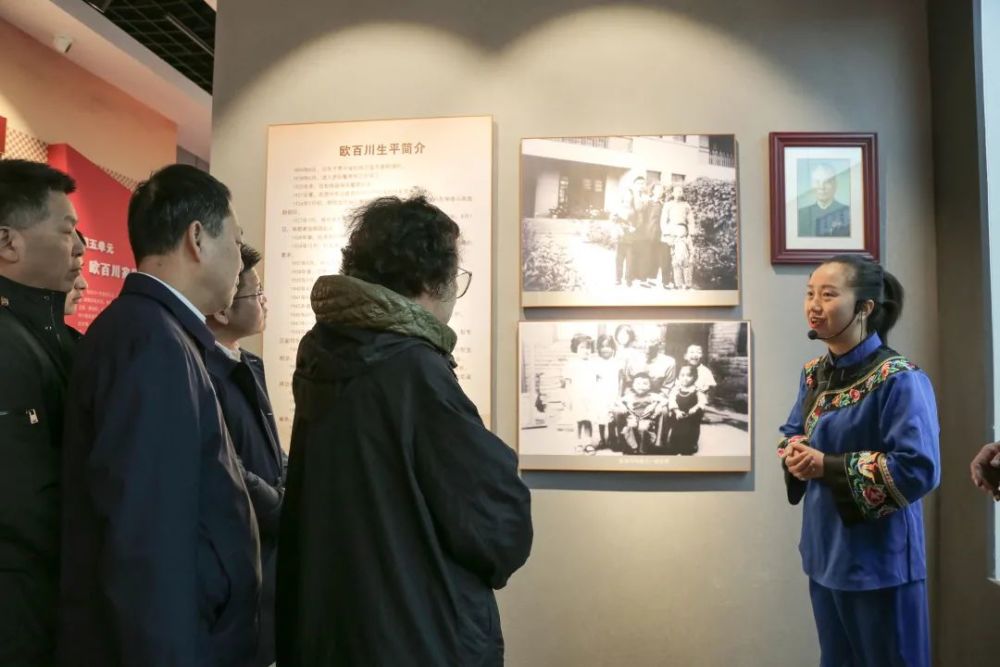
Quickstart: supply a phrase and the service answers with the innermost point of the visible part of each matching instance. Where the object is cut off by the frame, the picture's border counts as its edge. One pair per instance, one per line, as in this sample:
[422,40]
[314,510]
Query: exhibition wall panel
[319,173]
[659,568]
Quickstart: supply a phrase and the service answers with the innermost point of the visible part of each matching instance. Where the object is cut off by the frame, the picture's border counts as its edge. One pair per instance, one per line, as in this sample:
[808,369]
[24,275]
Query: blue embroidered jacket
[872,413]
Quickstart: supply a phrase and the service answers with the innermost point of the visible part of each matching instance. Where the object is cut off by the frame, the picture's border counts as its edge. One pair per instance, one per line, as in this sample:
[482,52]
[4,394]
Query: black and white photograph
[642,395]
[629,220]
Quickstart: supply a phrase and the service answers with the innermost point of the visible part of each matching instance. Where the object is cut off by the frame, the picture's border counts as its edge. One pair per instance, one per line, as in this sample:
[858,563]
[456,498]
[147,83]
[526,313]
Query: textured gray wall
[636,569]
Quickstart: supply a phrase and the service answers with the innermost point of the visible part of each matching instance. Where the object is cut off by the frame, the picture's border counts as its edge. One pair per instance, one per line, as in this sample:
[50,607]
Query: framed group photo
[824,196]
[634,395]
[648,220]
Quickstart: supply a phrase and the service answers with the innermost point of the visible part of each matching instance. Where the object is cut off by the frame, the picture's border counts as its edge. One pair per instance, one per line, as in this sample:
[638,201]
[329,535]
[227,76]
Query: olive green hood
[349,302]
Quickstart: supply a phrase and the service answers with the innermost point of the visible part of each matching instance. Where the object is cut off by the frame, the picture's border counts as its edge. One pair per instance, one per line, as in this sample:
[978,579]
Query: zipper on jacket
[30,413]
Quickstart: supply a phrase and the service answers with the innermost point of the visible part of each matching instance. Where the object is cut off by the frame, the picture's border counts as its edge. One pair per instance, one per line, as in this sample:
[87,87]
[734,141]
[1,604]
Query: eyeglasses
[462,281]
[259,295]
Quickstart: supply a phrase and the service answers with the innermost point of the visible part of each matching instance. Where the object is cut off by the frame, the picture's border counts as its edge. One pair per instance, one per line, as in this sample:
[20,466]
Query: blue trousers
[888,627]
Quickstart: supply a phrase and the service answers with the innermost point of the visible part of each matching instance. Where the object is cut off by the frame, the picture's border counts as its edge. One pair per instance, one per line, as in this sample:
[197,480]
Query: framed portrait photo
[824,196]
[635,395]
[636,220]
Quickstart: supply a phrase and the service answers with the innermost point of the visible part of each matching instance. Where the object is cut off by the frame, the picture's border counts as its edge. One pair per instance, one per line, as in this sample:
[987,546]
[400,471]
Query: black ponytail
[886,314]
[871,282]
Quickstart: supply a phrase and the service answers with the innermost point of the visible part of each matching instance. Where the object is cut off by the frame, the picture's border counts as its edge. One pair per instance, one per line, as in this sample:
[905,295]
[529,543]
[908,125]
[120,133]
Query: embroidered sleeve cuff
[862,486]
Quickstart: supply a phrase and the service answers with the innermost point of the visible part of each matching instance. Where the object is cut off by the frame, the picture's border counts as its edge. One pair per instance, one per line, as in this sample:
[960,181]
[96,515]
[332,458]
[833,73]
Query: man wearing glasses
[403,512]
[238,377]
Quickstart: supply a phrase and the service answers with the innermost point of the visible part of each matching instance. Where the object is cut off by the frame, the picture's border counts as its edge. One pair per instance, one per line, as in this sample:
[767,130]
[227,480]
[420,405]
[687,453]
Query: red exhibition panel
[102,206]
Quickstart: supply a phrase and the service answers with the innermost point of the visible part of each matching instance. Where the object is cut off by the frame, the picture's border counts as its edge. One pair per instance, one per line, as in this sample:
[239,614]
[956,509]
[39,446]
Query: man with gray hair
[826,216]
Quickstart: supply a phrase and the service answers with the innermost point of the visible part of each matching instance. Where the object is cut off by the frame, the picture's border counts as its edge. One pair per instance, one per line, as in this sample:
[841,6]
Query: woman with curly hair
[861,449]
[402,512]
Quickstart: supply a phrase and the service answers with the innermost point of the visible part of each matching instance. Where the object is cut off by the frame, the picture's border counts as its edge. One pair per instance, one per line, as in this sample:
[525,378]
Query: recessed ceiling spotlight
[62,43]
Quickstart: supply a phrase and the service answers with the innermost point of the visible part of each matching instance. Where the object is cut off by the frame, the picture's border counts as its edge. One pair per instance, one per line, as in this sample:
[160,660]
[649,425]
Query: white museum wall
[627,569]
[46,96]
[990,30]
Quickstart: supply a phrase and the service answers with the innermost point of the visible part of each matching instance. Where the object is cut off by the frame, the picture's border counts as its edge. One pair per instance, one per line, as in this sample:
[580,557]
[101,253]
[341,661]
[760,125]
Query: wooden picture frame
[579,386]
[824,196]
[587,233]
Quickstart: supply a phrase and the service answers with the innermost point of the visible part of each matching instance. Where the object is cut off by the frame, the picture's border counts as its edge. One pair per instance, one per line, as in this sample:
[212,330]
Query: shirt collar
[859,353]
[145,285]
[234,355]
[180,297]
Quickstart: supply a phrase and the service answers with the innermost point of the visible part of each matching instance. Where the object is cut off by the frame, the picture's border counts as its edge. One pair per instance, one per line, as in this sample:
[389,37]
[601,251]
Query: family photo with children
[636,388]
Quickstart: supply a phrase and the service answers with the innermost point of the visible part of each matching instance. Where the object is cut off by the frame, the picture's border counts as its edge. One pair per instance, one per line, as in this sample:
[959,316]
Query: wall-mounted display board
[318,173]
[634,395]
[629,221]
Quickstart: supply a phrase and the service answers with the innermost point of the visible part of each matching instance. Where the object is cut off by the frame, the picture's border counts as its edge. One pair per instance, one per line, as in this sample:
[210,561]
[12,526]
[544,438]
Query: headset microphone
[812,335]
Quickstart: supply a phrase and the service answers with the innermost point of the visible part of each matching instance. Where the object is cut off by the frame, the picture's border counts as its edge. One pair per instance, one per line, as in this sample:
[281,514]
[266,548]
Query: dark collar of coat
[251,358]
[253,361]
[39,306]
[141,285]
[218,362]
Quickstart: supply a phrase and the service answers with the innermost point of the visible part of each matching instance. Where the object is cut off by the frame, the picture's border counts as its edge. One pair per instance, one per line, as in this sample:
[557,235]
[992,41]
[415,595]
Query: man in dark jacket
[402,511]
[238,377]
[40,257]
[161,561]
[629,216]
